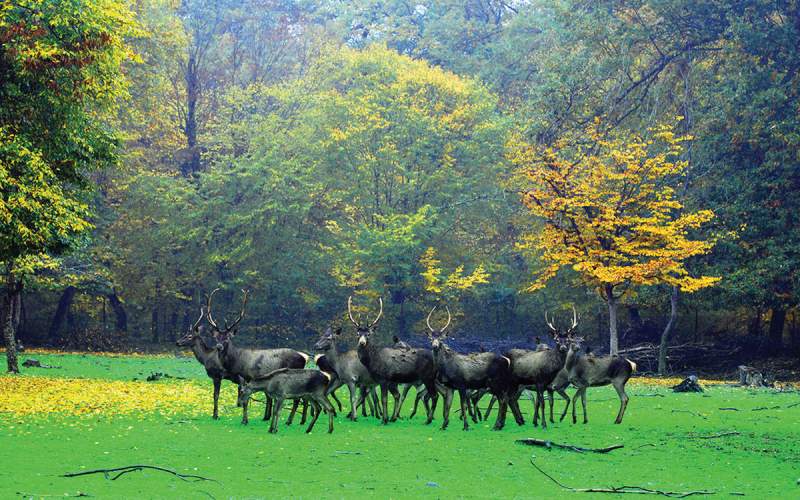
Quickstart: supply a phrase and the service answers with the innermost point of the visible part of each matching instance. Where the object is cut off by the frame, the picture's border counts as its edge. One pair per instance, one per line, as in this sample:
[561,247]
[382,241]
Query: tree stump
[689,384]
[752,377]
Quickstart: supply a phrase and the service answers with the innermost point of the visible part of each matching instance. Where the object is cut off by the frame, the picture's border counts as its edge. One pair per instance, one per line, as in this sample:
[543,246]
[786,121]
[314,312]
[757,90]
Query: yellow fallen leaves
[40,350]
[30,395]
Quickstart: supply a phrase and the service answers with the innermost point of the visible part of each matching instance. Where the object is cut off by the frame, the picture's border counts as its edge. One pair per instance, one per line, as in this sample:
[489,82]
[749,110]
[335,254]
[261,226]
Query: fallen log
[551,445]
[132,468]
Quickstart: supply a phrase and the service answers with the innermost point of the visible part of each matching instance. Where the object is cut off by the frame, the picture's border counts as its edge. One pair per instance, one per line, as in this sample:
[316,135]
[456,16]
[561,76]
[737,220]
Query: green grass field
[662,449]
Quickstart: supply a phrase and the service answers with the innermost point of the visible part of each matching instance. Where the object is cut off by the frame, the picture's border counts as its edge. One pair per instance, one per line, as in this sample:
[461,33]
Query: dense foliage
[313,150]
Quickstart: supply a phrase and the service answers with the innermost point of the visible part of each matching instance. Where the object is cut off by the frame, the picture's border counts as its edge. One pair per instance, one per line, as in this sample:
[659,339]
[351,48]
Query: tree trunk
[121,323]
[192,163]
[64,304]
[12,291]
[673,315]
[612,320]
[776,322]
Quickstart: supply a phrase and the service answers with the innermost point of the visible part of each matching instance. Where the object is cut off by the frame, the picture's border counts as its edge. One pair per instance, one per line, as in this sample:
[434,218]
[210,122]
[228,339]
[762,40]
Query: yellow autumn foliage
[32,395]
[609,210]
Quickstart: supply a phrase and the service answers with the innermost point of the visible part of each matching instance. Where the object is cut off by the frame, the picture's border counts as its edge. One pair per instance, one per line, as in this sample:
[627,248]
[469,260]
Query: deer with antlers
[390,366]
[251,364]
[207,356]
[464,372]
[537,370]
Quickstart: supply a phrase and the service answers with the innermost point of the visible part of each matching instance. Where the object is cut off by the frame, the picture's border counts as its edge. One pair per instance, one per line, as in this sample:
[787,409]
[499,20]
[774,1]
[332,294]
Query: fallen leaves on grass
[89,397]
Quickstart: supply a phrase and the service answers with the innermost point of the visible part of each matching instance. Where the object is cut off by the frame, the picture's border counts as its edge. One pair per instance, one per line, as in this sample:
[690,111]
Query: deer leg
[244,411]
[583,405]
[432,388]
[385,403]
[398,403]
[564,395]
[536,401]
[501,412]
[305,412]
[448,400]
[405,394]
[541,399]
[276,410]
[513,403]
[338,403]
[268,407]
[217,383]
[416,403]
[354,399]
[292,412]
[550,398]
[489,409]
[317,411]
[376,405]
[623,401]
[330,414]
[462,394]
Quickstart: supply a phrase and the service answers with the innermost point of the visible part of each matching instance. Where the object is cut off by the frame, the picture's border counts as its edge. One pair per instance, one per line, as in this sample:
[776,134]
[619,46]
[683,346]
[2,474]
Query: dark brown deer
[591,371]
[251,363]
[287,383]
[390,366]
[348,367]
[324,365]
[537,370]
[207,356]
[464,372]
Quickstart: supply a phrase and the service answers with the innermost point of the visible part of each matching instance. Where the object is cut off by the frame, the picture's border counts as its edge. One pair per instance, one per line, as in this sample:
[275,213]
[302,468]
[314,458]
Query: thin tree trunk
[121,322]
[12,291]
[673,315]
[64,304]
[776,322]
[612,320]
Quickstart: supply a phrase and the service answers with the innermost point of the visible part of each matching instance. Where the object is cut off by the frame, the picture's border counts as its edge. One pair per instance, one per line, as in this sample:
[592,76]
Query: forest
[635,160]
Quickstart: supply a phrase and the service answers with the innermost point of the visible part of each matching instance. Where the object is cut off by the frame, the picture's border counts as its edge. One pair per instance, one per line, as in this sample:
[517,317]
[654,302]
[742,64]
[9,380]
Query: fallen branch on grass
[713,436]
[624,489]
[692,412]
[189,478]
[550,445]
[729,409]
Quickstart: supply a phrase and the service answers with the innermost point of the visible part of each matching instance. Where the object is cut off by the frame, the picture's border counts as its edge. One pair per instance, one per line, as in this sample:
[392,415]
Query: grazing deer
[207,356]
[288,383]
[251,363]
[390,366]
[463,372]
[590,371]
[537,369]
[348,367]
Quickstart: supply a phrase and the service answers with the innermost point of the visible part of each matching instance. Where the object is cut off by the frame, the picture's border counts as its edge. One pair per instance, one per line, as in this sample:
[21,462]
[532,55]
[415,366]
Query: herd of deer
[281,374]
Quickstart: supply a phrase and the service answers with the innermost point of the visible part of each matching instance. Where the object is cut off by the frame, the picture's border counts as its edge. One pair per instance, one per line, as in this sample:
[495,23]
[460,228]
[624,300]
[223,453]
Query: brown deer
[207,356]
[251,363]
[390,366]
[589,371]
[288,383]
[464,372]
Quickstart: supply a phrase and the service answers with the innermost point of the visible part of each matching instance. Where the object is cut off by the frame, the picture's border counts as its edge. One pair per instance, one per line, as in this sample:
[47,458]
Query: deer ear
[338,331]
[328,332]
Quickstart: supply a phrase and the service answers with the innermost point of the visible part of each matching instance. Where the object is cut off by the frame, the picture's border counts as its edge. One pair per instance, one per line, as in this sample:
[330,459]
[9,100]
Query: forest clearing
[69,430]
[467,248]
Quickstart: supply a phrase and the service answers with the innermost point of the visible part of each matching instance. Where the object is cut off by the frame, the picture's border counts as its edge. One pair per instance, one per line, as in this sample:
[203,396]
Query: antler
[428,320]
[350,310]
[574,320]
[241,314]
[208,306]
[546,320]
[197,323]
[380,313]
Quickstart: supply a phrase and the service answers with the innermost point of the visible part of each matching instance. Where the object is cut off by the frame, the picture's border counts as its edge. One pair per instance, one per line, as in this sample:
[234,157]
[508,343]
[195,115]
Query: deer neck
[201,351]
[571,359]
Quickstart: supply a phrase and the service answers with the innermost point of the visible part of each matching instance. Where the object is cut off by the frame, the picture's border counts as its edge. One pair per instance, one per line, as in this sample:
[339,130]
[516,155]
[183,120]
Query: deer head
[193,332]
[327,340]
[363,331]
[437,336]
[224,334]
[563,339]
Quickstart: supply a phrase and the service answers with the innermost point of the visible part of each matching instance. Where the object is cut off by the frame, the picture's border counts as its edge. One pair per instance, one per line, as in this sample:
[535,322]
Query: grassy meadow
[97,411]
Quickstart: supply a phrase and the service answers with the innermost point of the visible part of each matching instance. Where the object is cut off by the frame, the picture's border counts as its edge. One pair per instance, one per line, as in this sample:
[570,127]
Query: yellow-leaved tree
[610,212]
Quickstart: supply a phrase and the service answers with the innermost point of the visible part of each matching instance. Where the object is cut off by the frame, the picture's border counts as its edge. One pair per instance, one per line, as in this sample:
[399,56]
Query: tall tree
[608,210]
[59,81]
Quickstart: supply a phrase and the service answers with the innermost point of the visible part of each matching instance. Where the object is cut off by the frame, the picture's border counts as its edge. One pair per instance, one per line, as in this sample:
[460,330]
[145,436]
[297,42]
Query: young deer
[464,372]
[288,383]
[589,371]
[208,357]
[324,365]
[390,366]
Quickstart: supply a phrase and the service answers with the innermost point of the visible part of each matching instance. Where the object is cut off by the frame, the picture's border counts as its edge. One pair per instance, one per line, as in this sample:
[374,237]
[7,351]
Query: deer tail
[633,365]
[304,355]
[272,373]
